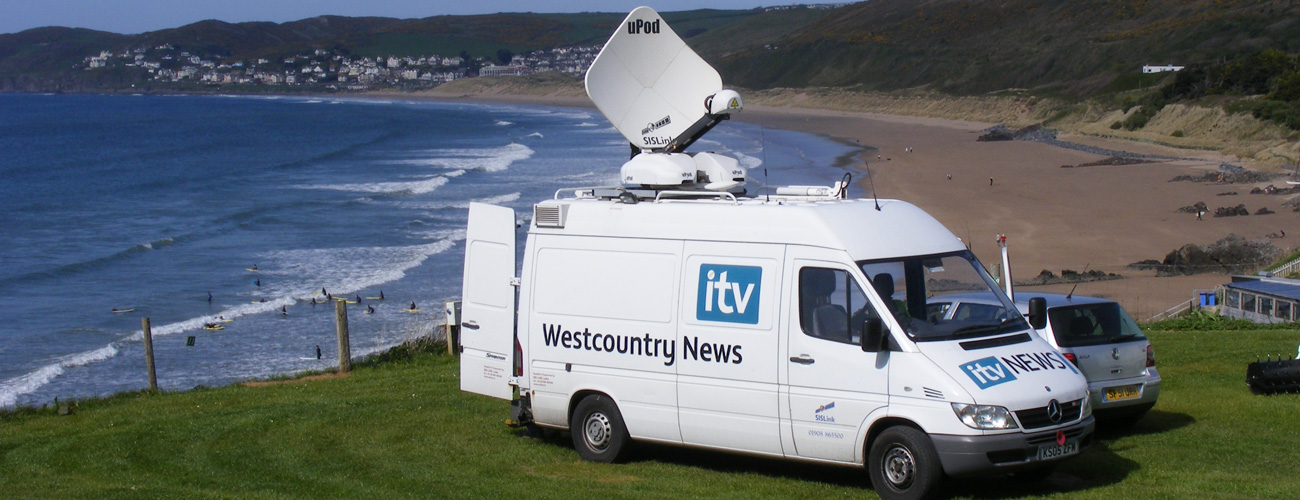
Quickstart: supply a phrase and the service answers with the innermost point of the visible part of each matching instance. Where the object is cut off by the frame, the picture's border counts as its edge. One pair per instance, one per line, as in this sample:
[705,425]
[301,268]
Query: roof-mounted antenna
[762,145]
[844,186]
[867,167]
[1076,284]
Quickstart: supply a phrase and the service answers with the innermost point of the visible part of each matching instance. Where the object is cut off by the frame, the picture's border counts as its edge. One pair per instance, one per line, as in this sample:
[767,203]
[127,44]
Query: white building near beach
[1161,69]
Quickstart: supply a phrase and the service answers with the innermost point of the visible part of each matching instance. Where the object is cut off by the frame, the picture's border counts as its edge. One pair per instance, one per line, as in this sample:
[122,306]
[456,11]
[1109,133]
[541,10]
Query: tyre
[598,431]
[903,465]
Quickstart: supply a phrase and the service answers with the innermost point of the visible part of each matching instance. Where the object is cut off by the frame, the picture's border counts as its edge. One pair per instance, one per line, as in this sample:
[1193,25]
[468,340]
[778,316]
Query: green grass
[399,427]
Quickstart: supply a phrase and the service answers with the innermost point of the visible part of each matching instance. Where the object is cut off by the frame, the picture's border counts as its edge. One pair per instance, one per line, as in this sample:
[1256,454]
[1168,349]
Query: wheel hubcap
[899,467]
[597,430]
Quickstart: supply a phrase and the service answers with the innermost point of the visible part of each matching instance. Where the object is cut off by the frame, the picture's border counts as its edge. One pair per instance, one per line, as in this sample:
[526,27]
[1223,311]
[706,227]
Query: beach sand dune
[1099,217]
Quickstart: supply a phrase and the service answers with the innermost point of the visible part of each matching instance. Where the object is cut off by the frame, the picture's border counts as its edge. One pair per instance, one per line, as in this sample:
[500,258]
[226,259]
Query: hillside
[1070,47]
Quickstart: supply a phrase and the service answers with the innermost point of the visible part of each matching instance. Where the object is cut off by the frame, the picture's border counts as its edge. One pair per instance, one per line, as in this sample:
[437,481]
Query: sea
[244,211]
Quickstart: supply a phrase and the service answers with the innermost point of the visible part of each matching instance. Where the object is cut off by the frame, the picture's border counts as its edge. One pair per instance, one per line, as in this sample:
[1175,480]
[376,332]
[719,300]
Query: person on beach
[1198,214]
[990,181]
[949,176]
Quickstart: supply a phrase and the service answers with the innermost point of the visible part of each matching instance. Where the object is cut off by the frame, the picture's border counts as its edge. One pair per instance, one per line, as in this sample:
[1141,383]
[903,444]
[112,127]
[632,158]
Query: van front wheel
[598,431]
[903,464]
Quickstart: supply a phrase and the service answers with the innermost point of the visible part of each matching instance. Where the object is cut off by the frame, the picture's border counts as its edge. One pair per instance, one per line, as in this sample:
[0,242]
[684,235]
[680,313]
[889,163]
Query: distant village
[332,70]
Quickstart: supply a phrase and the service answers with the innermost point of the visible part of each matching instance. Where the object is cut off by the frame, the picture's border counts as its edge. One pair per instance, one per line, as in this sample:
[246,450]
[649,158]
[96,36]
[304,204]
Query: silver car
[1097,335]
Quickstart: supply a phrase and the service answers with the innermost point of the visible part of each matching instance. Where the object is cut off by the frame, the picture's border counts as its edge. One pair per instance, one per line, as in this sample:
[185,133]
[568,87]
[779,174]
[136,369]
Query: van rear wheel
[904,465]
[598,431]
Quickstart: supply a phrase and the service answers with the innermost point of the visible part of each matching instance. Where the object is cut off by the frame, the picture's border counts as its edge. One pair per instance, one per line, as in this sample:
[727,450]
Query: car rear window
[1092,324]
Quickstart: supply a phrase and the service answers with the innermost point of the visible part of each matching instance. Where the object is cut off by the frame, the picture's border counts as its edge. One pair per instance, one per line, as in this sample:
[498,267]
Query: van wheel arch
[908,466]
[597,428]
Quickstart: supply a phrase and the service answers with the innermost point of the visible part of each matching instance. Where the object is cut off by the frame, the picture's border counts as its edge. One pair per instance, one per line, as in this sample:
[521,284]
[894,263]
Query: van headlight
[984,416]
[1087,407]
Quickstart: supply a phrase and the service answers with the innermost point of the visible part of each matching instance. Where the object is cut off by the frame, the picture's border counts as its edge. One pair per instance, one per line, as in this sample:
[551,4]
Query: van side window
[830,302]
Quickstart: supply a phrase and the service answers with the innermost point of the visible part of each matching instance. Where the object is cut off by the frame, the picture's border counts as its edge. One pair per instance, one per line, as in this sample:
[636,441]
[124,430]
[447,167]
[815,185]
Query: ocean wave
[586,124]
[749,162]
[411,187]
[536,134]
[93,263]
[445,204]
[12,389]
[481,159]
[375,266]
[503,123]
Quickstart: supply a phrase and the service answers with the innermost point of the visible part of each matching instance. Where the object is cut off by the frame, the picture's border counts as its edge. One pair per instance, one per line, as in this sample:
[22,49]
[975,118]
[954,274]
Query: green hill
[1071,47]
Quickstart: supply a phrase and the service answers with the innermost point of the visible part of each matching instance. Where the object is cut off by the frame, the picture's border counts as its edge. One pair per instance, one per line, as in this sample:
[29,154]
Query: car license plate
[1058,450]
[1123,392]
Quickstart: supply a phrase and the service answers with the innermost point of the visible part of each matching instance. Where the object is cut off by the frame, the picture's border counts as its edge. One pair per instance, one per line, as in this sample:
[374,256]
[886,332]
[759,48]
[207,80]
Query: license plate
[1058,450]
[1123,392]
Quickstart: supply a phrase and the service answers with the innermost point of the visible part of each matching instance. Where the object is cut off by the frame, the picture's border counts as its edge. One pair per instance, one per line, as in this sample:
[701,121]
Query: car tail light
[1075,359]
[1151,355]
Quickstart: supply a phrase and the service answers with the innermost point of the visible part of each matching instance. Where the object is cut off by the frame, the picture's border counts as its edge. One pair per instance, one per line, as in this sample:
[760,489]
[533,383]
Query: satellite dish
[655,90]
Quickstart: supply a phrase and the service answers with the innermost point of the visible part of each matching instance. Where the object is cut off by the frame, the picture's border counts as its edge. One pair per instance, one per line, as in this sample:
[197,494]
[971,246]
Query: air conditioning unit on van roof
[550,215]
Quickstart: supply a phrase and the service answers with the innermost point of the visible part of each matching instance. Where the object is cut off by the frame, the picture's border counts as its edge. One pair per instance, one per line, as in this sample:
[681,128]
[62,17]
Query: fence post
[345,348]
[148,354]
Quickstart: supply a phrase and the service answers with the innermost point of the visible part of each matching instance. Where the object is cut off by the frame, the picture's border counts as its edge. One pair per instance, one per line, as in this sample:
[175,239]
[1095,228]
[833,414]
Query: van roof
[898,229]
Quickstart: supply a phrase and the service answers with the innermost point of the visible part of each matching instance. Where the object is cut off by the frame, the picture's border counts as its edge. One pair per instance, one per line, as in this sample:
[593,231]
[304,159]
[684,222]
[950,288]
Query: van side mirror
[873,335]
[1038,313]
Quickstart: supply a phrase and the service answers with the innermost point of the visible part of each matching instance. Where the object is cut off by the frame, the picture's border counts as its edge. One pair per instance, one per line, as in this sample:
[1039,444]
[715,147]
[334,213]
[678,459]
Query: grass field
[401,428]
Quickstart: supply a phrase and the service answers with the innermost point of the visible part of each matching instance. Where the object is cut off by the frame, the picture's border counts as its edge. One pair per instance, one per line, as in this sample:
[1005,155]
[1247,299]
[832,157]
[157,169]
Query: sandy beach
[1094,217]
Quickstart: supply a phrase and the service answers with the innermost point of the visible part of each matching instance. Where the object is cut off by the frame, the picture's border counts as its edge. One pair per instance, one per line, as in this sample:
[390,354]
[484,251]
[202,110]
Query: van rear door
[487,328]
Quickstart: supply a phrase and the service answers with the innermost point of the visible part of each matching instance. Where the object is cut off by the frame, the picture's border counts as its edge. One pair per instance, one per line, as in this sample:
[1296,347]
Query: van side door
[728,346]
[833,385]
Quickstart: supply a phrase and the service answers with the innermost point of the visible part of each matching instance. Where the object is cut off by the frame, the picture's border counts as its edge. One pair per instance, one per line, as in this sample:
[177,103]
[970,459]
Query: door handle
[472,325]
[802,359]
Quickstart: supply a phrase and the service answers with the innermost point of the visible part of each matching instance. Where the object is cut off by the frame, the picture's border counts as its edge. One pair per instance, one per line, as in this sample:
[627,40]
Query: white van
[755,325]
[675,309]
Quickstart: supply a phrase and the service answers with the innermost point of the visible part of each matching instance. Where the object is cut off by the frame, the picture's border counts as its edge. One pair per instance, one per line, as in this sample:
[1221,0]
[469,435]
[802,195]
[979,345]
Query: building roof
[1274,288]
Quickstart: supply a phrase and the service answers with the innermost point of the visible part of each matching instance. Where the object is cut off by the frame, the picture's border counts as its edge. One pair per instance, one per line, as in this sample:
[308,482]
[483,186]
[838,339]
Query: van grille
[549,215]
[1034,418]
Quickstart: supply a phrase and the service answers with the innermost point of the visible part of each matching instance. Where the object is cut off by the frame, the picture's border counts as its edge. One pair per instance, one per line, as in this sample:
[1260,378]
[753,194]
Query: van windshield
[919,293]
[1092,324]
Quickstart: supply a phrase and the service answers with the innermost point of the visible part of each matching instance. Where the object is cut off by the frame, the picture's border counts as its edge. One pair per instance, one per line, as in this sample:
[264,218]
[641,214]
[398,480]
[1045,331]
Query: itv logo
[728,293]
[987,372]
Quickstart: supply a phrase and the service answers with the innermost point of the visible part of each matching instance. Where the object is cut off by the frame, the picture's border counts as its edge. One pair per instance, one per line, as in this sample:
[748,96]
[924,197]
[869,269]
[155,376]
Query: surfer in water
[209,297]
[370,309]
[381,295]
[258,282]
[358,299]
[412,306]
[318,352]
[284,311]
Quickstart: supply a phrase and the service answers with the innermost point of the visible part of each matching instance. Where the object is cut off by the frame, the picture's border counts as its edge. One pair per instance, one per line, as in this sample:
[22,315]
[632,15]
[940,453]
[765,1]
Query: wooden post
[345,348]
[148,354]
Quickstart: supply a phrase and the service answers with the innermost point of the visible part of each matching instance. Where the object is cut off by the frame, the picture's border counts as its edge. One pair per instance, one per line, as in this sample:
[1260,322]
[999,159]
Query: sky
[138,16]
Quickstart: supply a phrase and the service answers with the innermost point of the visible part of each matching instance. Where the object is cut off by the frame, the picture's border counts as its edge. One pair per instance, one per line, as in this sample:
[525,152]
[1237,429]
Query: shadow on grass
[1099,466]
[1155,422]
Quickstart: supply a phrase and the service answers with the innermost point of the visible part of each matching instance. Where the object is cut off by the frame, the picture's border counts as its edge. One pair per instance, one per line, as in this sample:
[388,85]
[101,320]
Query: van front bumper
[971,455]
